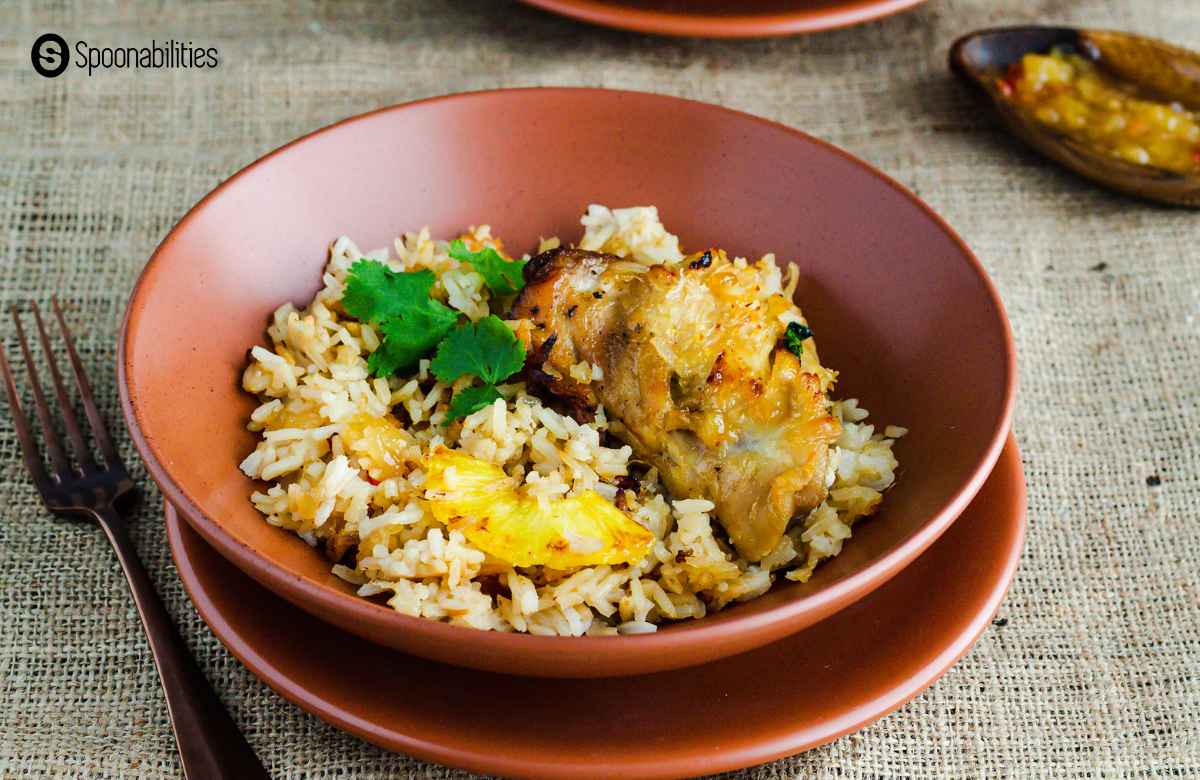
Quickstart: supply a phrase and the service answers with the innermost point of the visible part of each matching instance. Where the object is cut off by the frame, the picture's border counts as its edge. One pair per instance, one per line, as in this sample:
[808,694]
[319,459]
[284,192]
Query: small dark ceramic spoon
[1168,72]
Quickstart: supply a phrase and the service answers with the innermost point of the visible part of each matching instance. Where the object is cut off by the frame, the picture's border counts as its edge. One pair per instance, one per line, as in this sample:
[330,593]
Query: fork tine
[29,450]
[82,451]
[62,465]
[111,458]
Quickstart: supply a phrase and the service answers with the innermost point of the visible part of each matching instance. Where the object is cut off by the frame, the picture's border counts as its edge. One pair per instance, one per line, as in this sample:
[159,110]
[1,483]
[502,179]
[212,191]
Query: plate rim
[701,25]
[311,595]
[773,748]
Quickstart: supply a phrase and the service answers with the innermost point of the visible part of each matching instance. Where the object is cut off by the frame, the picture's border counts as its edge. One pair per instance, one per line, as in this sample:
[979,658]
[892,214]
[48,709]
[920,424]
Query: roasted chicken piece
[696,376]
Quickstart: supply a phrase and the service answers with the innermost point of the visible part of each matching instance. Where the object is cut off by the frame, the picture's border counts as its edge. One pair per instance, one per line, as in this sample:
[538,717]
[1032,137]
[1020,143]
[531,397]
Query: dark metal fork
[210,745]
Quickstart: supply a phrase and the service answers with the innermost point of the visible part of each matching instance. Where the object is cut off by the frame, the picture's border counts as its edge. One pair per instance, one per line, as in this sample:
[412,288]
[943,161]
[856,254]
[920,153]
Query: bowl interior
[897,303]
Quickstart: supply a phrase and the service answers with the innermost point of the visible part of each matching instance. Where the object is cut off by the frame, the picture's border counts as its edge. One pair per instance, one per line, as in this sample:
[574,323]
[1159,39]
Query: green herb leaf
[470,400]
[794,336]
[398,303]
[406,340]
[503,277]
[487,349]
[375,293]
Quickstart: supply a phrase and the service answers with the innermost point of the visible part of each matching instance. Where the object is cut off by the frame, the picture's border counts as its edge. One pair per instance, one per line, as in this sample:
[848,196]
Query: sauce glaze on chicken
[697,376]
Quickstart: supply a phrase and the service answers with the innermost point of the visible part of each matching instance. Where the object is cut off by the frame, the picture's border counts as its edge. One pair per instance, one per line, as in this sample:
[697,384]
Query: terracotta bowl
[898,304]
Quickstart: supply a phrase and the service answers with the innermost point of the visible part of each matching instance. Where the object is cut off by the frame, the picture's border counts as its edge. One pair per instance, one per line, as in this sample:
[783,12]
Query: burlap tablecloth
[1097,669]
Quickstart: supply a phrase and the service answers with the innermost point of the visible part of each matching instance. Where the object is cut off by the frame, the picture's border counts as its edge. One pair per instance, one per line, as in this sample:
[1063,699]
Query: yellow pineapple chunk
[479,499]
[379,443]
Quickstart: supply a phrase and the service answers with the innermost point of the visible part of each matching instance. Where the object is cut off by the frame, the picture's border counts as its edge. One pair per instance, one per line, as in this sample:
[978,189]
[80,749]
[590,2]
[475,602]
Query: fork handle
[210,745]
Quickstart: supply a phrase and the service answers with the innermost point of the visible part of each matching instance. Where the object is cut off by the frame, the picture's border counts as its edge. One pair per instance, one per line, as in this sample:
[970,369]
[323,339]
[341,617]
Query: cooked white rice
[313,383]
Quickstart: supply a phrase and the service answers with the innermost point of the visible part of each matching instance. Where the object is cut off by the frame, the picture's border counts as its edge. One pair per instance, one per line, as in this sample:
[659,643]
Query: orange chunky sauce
[1070,94]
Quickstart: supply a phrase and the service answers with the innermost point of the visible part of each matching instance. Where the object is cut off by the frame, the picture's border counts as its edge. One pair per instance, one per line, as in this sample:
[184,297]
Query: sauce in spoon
[1072,95]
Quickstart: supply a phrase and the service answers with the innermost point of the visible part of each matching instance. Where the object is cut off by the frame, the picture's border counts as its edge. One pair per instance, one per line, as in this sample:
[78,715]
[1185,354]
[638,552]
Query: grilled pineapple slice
[479,499]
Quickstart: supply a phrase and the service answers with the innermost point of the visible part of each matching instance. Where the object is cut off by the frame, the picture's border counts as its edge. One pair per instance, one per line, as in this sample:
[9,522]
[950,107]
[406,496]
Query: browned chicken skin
[696,374]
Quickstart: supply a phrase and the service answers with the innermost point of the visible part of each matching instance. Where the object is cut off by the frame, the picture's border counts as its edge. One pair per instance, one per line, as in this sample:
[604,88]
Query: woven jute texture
[1093,666]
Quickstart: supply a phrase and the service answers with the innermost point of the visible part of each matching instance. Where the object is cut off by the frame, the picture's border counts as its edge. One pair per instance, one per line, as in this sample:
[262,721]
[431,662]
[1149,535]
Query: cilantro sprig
[470,400]
[411,324]
[503,277]
[794,337]
[486,349]
[398,305]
